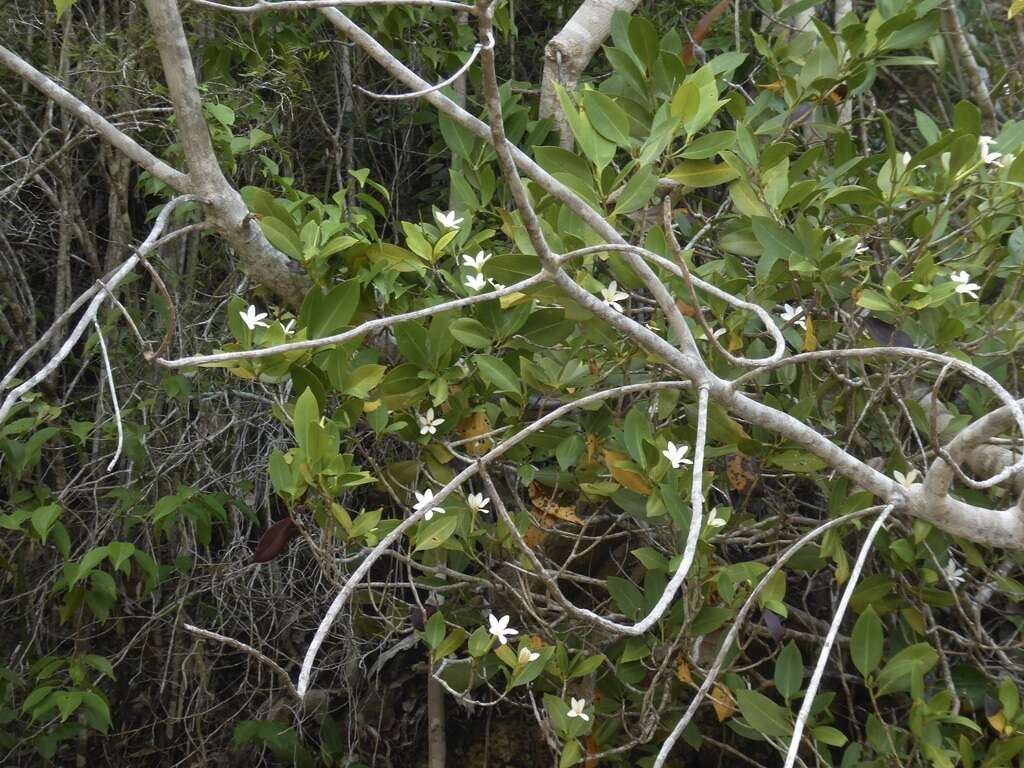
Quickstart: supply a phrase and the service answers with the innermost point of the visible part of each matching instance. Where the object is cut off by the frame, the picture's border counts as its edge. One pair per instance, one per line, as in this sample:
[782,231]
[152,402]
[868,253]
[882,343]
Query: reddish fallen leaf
[273,542]
[702,27]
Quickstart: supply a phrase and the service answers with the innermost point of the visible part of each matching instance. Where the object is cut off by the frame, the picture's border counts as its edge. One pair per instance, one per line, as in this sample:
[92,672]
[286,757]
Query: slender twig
[113,395]
[830,638]
[263,6]
[446,82]
[282,675]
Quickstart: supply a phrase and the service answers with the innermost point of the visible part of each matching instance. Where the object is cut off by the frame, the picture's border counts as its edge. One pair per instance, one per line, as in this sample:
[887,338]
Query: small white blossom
[476,262]
[428,424]
[500,628]
[954,575]
[612,296]
[253,320]
[476,282]
[496,285]
[860,248]
[576,710]
[423,501]
[987,157]
[289,329]
[964,284]
[526,656]
[714,521]
[477,501]
[676,455]
[447,220]
[907,480]
[794,315]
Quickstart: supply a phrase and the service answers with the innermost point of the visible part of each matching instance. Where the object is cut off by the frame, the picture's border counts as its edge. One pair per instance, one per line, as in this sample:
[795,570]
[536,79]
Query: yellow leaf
[810,340]
[624,477]
[1015,7]
[511,299]
[474,425]
[683,673]
[723,703]
[371,406]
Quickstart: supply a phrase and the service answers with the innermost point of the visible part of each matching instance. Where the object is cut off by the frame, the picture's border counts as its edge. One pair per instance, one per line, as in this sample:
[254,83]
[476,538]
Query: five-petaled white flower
[447,220]
[612,296]
[289,329]
[987,157]
[423,501]
[526,656]
[954,575]
[428,424]
[714,521]
[477,501]
[500,628]
[964,284]
[676,455]
[794,315]
[476,262]
[907,480]
[252,319]
[476,282]
[576,710]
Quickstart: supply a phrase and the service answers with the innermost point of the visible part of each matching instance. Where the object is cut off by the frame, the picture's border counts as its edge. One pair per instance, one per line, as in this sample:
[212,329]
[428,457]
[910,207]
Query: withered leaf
[273,542]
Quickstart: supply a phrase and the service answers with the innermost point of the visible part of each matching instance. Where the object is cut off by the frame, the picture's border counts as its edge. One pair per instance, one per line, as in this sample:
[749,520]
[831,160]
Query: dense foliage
[840,177]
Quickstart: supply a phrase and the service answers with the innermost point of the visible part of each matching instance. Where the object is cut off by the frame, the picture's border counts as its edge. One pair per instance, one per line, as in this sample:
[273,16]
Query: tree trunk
[569,52]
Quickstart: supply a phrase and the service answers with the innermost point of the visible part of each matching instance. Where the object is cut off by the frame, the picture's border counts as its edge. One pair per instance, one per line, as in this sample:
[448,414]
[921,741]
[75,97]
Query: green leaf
[789,671]
[627,596]
[331,312]
[436,532]
[607,117]
[867,642]
[86,565]
[829,735]
[699,174]
[897,675]
[471,332]
[637,192]
[363,379]
[497,373]
[282,236]
[306,419]
[62,6]
[763,714]
[222,113]
[876,301]
[97,713]
[583,666]
[710,145]
[67,703]
[118,552]
[43,519]
[434,633]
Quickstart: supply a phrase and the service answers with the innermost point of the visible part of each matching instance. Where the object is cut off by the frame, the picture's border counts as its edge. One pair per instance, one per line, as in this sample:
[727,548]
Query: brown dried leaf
[742,471]
[702,27]
[545,501]
[273,542]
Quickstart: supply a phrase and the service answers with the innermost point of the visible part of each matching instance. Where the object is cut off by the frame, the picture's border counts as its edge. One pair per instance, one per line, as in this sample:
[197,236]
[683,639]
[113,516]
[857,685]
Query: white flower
[676,455]
[424,500]
[907,480]
[714,521]
[500,628]
[477,501]
[476,262]
[576,710]
[253,320]
[612,296]
[447,220]
[289,329]
[428,424]
[496,285]
[526,656]
[794,315]
[476,282]
[964,284]
[988,158]
[954,575]
[860,248]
